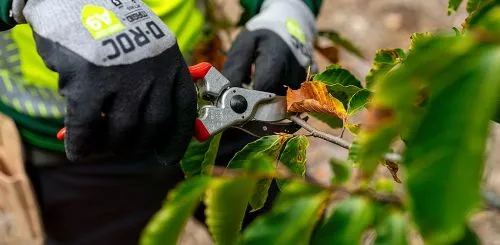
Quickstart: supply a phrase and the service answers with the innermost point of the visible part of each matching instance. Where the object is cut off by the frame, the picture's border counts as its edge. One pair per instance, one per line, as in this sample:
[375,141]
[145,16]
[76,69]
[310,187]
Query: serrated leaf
[418,39]
[393,230]
[453,6]
[448,147]
[168,223]
[341,172]
[469,238]
[200,157]
[346,225]
[314,97]
[344,43]
[294,157]
[343,93]
[385,60]
[335,74]
[473,5]
[358,101]
[484,21]
[226,201]
[333,122]
[292,218]
[394,108]
[269,146]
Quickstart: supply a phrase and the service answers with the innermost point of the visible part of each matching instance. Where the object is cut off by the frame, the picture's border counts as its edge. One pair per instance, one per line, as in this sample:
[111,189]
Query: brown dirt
[372,25]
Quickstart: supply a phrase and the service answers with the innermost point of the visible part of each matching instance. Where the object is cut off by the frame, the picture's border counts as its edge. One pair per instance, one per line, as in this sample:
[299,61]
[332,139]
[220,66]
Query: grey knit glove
[127,86]
[279,41]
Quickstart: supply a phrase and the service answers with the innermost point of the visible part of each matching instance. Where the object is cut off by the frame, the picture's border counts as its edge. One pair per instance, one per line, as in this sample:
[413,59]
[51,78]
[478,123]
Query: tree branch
[393,157]
[320,134]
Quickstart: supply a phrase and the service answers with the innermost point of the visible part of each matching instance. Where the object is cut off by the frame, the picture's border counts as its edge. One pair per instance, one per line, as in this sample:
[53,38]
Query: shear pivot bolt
[239,104]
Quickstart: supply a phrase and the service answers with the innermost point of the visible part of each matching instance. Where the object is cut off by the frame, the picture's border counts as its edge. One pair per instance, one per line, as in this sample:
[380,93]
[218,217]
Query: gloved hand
[126,84]
[279,41]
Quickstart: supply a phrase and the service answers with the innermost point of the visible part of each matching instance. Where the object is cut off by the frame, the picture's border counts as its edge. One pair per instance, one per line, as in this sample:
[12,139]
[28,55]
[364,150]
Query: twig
[393,157]
[320,134]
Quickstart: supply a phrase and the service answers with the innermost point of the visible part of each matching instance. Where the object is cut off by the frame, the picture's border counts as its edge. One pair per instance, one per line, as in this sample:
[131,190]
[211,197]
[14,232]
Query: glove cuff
[17,10]
[293,21]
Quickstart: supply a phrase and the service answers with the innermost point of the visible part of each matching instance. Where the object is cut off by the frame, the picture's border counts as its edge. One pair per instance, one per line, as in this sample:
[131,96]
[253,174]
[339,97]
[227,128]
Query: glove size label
[100,22]
[103,32]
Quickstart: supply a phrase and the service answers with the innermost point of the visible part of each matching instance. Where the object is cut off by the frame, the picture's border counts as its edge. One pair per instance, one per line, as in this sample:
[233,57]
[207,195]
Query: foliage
[438,96]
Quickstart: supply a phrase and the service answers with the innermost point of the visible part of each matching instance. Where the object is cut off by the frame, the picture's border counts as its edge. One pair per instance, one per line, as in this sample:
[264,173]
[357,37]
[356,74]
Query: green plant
[438,97]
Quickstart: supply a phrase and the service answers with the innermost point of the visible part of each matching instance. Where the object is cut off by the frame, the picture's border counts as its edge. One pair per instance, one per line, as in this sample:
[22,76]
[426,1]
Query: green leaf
[168,223]
[347,224]
[473,5]
[341,172]
[469,238]
[359,101]
[453,6]
[292,218]
[226,201]
[294,156]
[484,21]
[270,146]
[393,230]
[418,39]
[354,153]
[385,60]
[448,147]
[333,122]
[335,74]
[343,93]
[394,108]
[200,157]
[344,43]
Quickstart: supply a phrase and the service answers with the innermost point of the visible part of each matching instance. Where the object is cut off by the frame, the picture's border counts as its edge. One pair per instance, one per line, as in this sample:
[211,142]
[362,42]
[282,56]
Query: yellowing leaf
[314,97]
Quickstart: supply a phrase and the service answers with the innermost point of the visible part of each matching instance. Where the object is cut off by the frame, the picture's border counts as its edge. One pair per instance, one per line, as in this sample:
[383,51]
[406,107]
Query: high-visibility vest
[28,89]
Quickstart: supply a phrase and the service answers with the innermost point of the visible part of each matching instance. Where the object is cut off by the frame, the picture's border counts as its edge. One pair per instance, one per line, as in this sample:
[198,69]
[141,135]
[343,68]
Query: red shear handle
[200,70]
[201,133]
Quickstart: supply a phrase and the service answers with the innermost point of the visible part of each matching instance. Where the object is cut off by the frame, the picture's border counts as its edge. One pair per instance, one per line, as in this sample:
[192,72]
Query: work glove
[279,41]
[126,85]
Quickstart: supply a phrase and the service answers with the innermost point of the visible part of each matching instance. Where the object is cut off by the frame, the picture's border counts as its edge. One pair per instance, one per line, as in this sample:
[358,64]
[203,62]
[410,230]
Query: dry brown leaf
[314,97]
[394,169]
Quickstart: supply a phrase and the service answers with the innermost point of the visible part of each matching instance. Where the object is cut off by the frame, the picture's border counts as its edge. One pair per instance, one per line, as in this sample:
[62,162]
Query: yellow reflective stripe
[44,94]
[55,111]
[13,58]
[6,80]
[42,109]
[17,105]
[30,108]
[11,47]
[4,99]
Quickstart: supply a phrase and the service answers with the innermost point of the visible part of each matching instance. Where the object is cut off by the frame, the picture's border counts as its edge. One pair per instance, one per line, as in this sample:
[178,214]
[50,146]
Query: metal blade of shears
[272,111]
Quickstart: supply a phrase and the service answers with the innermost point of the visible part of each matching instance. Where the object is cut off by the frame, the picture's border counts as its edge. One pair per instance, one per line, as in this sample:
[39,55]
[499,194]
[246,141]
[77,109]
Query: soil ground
[372,25]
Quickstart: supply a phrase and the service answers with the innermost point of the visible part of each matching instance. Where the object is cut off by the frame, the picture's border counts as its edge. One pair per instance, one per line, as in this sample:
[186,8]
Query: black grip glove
[279,42]
[127,86]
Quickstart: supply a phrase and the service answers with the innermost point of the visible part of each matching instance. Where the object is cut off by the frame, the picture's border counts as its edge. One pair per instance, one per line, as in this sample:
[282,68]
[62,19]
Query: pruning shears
[255,112]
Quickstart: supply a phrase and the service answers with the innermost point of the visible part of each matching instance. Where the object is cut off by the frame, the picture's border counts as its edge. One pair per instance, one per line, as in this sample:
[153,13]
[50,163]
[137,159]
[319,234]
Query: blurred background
[373,25]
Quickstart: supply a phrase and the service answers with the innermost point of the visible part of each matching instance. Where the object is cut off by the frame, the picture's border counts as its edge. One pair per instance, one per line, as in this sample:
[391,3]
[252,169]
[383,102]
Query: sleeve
[6,19]
[252,7]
